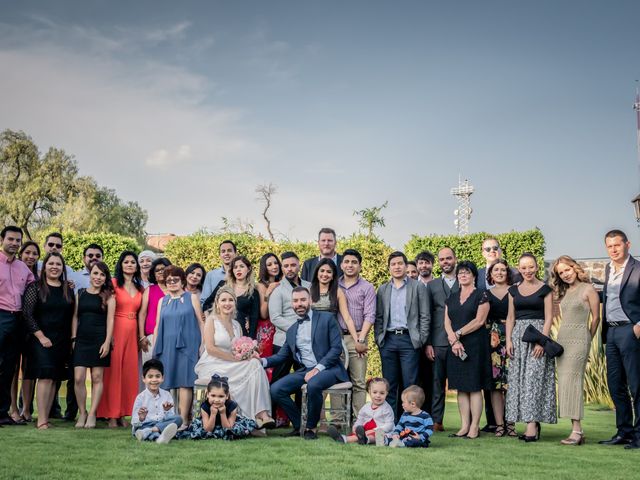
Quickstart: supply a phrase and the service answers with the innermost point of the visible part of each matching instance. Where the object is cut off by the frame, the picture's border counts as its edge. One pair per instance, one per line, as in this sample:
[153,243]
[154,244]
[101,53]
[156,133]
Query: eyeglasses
[54,245]
[495,248]
[93,255]
[172,280]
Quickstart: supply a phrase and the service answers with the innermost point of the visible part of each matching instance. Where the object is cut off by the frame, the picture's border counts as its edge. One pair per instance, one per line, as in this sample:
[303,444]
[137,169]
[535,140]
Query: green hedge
[75,243]
[469,247]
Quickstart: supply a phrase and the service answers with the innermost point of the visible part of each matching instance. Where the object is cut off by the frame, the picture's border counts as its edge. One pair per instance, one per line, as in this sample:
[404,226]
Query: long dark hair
[26,245]
[263,276]
[106,290]
[137,279]
[43,287]
[333,285]
[193,267]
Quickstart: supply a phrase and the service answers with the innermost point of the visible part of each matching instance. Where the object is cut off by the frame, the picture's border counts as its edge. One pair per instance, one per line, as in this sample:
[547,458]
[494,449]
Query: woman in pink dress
[148,313]
[121,378]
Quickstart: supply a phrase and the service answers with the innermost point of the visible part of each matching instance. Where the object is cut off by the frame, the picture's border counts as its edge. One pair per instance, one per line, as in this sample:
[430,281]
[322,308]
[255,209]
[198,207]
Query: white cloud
[162,158]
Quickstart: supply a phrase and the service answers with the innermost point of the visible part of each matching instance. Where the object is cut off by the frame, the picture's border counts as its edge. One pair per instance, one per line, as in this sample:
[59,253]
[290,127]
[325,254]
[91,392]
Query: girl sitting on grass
[219,416]
[375,419]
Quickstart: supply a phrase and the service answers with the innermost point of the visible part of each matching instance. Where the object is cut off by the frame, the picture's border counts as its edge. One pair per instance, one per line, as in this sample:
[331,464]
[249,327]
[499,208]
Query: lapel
[291,338]
[445,287]
[627,272]
[409,297]
[314,326]
[386,296]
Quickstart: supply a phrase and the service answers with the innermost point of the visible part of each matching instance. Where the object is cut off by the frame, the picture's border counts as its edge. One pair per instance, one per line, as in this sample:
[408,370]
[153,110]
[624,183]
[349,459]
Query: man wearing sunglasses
[53,243]
[92,254]
[491,252]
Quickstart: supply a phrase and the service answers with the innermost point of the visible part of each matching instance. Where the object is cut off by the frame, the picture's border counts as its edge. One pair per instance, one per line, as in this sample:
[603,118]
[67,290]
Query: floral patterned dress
[241,428]
[496,323]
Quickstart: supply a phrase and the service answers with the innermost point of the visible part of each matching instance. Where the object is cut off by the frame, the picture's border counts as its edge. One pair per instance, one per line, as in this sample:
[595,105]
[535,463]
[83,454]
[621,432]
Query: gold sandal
[573,441]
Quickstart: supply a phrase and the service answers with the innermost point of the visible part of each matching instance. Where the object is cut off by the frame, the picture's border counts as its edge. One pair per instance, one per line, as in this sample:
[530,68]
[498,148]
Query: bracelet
[141,339]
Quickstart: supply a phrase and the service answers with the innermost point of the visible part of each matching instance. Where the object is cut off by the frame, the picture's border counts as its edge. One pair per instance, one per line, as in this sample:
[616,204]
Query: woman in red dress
[121,378]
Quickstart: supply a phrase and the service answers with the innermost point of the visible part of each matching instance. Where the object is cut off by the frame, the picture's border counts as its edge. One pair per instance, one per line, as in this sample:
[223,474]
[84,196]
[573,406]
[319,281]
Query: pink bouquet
[243,348]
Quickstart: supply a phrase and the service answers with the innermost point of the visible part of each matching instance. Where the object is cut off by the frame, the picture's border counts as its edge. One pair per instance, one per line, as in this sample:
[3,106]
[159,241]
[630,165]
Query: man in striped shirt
[361,302]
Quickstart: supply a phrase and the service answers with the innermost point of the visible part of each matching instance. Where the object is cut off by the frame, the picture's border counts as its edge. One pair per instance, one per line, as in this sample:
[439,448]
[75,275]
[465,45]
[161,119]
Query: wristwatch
[458,333]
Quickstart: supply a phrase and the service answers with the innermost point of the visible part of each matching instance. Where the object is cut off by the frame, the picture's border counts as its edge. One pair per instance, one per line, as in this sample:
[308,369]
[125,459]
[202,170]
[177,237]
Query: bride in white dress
[248,383]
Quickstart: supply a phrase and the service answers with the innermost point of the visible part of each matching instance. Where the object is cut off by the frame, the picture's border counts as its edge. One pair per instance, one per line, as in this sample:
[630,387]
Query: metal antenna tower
[636,107]
[463,213]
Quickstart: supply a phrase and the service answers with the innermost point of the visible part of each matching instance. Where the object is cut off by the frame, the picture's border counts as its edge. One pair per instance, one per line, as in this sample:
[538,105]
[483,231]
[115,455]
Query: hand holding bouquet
[243,348]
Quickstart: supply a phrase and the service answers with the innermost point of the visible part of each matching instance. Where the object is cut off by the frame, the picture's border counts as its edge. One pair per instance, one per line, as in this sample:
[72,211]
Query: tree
[370,218]
[265,193]
[98,209]
[33,188]
[46,192]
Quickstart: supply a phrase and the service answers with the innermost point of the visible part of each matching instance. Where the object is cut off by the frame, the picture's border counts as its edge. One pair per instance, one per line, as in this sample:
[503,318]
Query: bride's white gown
[248,383]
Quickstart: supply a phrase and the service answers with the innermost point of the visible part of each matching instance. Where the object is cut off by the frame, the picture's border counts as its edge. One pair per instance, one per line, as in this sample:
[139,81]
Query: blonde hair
[221,290]
[559,285]
[230,278]
[414,393]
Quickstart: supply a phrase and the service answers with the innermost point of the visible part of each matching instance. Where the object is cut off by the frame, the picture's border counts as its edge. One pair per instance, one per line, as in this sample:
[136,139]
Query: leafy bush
[75,243]
[469,247]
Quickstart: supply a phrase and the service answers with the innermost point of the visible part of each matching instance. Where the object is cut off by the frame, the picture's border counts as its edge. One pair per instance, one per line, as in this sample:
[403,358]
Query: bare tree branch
[265,193]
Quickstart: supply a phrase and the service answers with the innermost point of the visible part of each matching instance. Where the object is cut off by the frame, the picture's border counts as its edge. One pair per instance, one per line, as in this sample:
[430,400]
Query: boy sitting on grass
[153,417]
[415,425]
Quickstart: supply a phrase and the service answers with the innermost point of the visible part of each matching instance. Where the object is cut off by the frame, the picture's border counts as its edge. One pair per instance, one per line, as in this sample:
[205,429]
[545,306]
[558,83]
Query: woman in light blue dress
[178,335]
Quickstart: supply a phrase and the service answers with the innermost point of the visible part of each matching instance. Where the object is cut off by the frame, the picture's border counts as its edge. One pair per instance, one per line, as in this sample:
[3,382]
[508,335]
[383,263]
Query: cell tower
[463,213]
[636,107]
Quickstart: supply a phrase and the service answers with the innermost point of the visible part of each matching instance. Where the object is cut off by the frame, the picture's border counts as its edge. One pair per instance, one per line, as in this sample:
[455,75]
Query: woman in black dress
[92,331]
[468,360]
[48,310]
[499,278]
[240,278]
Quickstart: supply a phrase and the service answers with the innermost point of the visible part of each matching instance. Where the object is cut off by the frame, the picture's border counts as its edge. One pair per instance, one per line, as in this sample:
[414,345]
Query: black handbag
[551,348]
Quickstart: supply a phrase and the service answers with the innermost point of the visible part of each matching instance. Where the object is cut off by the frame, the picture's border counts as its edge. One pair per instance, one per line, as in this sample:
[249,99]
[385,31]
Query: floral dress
[496,323]
[242,428]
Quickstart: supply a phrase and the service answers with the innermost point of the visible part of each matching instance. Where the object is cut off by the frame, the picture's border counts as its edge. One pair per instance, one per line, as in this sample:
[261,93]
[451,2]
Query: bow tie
[303,319]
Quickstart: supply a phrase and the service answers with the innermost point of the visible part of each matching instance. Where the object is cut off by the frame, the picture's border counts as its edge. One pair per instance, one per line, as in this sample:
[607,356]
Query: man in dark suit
[491,252]
[621,333]
[315,342]
[401,328]
[438,290]
[327,245]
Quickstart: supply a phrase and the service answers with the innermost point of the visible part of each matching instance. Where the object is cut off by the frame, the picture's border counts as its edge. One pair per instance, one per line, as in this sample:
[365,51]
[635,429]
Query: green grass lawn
[63,452]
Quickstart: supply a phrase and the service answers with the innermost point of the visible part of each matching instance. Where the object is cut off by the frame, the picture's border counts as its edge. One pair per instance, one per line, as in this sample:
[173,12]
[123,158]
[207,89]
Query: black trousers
[439,384]
[9,350]
[623,375]
[399,366]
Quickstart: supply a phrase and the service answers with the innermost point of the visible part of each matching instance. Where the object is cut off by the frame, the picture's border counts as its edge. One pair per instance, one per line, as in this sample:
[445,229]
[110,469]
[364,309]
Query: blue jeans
[160,425]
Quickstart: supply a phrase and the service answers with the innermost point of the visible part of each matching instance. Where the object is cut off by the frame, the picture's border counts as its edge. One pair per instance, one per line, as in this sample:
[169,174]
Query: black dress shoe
[489,428]
[310,435]
[632,445]
[615,440]
[7,421]
[292,433]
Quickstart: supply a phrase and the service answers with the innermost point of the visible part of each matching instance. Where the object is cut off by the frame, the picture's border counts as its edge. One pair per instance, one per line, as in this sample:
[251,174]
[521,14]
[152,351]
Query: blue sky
[343,105]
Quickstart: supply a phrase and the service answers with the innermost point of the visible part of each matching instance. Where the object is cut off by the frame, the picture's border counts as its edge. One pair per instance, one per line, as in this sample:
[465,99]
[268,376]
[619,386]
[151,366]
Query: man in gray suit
[401,328]
[280,310]
[438,290]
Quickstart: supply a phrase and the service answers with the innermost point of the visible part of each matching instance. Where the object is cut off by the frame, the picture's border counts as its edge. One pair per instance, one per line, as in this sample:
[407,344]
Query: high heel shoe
[573,441]
[531,438]
[539,428]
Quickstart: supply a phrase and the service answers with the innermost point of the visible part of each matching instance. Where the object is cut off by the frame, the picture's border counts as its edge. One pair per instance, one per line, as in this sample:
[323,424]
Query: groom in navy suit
[315,342]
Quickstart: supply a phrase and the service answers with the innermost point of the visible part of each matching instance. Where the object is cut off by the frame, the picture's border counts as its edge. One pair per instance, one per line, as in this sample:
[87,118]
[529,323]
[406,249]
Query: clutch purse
[551,348]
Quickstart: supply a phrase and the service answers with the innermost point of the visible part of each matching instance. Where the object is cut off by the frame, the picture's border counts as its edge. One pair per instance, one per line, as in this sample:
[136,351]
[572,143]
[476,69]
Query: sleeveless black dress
[92,331]
[474,373]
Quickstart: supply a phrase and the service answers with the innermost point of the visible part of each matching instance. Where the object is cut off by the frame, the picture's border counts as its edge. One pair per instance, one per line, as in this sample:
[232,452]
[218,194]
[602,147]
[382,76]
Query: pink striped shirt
[14,278]
[361,303]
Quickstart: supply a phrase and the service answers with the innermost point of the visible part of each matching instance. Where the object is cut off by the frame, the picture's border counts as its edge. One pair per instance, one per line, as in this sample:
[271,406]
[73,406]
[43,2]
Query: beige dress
[575,337]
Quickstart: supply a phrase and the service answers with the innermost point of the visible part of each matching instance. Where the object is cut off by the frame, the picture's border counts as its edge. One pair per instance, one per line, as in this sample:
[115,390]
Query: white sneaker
[379,437]
[142,434]
[168,433]
[396,442]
